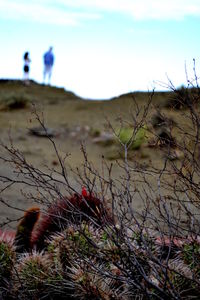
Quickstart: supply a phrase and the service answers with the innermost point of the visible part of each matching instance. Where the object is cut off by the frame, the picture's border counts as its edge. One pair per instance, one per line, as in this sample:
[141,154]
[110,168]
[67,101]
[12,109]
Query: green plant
[127,136]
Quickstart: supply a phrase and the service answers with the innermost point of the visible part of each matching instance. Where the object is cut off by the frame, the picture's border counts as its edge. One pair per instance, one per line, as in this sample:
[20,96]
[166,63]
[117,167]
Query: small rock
[41,132]
[105,139]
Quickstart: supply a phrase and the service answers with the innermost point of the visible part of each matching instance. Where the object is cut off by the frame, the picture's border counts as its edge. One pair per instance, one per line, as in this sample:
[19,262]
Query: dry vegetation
[149,184]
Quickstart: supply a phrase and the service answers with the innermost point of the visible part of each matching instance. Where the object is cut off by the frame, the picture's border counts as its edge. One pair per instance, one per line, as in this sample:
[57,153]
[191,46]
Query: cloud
[43,12]
[140,9]
[74,12]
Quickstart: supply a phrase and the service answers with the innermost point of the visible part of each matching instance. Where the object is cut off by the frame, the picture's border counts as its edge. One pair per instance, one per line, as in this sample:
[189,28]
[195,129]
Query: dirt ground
[72,121]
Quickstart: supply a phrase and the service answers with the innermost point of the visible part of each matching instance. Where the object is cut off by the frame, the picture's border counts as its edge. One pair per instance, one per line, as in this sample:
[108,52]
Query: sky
[102,48]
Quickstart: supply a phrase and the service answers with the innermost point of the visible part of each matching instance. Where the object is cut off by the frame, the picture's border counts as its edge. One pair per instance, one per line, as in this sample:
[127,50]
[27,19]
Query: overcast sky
[102,48]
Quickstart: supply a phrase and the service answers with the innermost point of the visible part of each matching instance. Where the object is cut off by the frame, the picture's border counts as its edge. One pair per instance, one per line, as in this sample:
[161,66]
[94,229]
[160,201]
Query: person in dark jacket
[26,67]
[48,64]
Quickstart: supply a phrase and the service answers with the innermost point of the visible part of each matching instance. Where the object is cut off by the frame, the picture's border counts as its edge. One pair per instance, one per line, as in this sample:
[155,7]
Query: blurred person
[48,64]
[26,68]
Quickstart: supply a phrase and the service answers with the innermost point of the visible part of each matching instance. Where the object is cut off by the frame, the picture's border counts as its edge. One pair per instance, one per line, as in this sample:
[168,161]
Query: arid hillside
[71,122]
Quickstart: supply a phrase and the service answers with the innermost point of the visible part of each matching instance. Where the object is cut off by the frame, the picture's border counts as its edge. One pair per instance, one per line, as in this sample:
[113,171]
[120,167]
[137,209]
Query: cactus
[25,228]
[90,284]
[69,210]
[35,276]
[7,260]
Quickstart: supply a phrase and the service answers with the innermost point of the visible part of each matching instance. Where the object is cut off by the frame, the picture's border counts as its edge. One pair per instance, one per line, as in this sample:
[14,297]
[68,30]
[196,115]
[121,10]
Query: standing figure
[48,64]
[26,68]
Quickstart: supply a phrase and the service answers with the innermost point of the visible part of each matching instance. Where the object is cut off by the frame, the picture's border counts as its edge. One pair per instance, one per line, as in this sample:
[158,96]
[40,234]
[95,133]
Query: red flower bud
[84,192]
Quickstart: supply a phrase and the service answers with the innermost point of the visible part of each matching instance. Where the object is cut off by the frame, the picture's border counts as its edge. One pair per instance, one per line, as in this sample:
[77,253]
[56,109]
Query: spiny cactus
[84,241]
[35,276]
[90,284]
[7,260]
[32,231]
[69,210]
[93,263]
[191,256]
[85,255]
[25,228]
[88,262]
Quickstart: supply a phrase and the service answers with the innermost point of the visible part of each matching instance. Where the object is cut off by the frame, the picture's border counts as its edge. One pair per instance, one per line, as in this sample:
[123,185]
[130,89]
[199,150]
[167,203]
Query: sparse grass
[15,101]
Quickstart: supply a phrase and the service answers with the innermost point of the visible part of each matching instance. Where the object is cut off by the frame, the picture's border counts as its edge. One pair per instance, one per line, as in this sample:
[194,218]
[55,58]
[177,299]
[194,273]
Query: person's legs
[26,78]
[47,71]
[50,72]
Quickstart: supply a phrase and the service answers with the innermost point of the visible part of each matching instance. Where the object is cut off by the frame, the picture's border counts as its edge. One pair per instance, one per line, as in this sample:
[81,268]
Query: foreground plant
[35,276]
[7,262]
